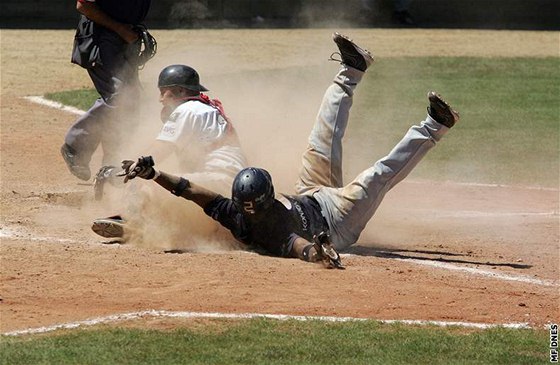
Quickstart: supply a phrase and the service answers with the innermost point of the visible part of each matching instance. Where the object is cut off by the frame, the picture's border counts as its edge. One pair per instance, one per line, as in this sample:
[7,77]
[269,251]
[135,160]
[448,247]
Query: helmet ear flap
[252,191]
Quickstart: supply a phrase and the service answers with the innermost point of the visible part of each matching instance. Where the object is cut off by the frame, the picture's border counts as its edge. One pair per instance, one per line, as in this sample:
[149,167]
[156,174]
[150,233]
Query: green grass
[81,99]
[262,341]
[510,108]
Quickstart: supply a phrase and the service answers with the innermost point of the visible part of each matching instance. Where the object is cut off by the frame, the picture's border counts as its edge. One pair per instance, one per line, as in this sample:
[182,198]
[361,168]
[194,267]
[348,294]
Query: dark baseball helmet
[252,191]
[180,75]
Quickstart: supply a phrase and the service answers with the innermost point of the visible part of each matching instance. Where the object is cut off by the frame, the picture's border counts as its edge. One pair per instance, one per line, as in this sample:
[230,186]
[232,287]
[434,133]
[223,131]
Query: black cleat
[81,171]
[441,111]
[351,54]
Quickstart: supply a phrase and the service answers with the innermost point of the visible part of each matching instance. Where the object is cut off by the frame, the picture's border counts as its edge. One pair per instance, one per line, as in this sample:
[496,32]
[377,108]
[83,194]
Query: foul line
[6,232]
[53,104]
[493,275]
[477,214]
[282,317]
[11,234]
[483,185]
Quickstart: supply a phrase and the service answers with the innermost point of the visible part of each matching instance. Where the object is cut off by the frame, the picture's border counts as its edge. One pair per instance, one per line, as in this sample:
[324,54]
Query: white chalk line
[478,214]
[53,104]
[7,233]
[282,317]
[490,274]
[18,234]
[483,185]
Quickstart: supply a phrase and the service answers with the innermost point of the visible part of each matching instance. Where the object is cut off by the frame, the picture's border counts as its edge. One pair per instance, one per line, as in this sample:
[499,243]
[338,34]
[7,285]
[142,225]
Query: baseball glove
[147,45]
[106,173]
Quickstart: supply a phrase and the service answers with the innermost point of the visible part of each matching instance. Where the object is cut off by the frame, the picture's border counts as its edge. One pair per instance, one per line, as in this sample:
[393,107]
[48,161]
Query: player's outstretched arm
[179,186]
[186,189]
[304,250]
[320,250]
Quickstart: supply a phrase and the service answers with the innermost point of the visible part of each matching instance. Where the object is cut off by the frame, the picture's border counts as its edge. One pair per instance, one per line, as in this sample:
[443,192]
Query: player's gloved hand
[142,168]
[326,251]
[105,174]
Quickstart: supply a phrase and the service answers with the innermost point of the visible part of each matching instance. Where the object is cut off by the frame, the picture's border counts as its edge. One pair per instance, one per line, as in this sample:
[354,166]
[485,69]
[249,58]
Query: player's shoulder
[284,200]
[195,107]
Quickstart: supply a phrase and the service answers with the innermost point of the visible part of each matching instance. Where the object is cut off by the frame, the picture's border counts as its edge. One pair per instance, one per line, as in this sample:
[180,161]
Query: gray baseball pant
[348,208]
[104,122]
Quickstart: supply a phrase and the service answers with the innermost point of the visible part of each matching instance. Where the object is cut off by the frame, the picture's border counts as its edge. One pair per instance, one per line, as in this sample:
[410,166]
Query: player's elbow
[84,7]
[79,7]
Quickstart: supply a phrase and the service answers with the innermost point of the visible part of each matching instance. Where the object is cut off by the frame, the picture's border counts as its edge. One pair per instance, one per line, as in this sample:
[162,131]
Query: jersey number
[248,207]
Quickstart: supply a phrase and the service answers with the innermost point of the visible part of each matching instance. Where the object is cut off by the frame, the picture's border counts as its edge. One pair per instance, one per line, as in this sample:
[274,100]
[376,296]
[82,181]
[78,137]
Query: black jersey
[288,218]
[125,11]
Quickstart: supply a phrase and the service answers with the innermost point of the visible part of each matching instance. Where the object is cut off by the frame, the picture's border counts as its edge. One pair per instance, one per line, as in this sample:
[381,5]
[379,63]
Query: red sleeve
[86,1]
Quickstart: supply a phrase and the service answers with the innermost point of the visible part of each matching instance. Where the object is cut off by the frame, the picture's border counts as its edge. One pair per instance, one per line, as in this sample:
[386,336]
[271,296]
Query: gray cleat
[111,227]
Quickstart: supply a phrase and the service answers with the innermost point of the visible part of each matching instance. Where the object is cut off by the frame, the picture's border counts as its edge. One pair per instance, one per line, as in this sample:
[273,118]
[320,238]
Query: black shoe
[441,111]
[81,171]
[111,227]
[351,54]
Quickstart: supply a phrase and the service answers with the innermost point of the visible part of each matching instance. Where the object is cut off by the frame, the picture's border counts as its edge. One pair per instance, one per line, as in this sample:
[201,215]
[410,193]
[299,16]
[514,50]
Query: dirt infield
[459,252]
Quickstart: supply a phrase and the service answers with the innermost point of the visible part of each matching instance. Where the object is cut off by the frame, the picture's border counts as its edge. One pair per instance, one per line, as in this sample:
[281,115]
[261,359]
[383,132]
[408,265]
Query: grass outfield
[510,108]
[263,341]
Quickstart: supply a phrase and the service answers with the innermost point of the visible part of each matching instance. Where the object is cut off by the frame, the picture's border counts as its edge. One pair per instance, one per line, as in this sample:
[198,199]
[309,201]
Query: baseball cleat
[440,111]
[111,227]
[82,172]
[351,54]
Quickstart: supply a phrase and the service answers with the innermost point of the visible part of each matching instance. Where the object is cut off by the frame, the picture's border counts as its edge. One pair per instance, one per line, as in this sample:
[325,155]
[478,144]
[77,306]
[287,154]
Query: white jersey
[206,143]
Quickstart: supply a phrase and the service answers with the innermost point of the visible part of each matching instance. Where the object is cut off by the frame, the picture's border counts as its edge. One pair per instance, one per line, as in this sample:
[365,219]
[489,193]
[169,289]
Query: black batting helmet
[252,191]
[180,75]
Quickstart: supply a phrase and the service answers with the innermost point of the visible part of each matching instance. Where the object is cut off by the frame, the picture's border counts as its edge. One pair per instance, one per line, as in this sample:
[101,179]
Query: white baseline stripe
[281,317]
[423,182]
[53,104]
[494,275]
[479,214]
[7,233]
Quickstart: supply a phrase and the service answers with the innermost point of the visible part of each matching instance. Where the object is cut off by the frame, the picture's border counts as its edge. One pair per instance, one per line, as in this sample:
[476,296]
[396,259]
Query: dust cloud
[272,112]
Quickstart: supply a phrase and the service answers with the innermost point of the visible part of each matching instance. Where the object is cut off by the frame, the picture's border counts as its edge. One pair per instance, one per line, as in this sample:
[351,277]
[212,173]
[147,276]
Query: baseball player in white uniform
[197,132]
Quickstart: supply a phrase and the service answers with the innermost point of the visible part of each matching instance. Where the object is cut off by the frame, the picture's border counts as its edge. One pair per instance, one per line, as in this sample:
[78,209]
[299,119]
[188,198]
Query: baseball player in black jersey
[325,215]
